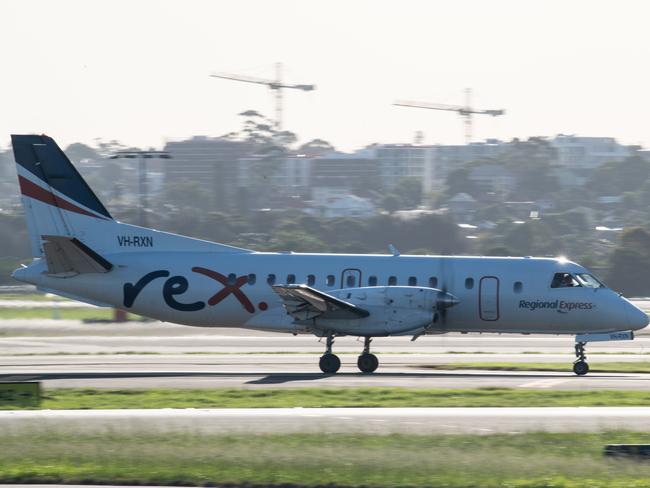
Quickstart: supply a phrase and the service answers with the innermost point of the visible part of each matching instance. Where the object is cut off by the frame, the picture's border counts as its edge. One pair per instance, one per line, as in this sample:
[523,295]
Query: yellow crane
[275,86]
[465,111]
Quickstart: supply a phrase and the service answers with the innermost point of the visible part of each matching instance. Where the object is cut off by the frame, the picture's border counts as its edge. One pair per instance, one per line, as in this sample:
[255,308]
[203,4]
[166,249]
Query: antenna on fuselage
[393,250]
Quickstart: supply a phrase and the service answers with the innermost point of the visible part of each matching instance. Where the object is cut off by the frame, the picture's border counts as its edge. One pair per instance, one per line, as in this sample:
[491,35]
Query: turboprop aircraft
[81,252]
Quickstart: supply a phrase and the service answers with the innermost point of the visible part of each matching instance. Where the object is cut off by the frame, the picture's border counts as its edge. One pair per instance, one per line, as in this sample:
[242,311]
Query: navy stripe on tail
[42,157]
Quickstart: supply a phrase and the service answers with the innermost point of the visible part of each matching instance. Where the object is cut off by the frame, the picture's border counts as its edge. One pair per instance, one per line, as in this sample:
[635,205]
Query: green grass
[604,367]
[88,398]
[522,460]
[82,313]
[33,297]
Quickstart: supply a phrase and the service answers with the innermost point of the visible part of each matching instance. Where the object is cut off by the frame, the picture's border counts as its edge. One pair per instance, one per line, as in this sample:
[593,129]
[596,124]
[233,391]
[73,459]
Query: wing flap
[303,303]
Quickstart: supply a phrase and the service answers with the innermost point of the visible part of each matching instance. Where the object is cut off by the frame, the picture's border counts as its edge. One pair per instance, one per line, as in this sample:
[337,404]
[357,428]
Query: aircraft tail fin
[55,197]
[64,215]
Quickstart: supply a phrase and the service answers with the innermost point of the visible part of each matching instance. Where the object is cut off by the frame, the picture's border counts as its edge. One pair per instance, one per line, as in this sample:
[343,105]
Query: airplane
[80,252]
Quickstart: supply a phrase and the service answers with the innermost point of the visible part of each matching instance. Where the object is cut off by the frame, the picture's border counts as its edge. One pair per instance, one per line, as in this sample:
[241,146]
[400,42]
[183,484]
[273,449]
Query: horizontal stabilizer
[68,256]
[303,303]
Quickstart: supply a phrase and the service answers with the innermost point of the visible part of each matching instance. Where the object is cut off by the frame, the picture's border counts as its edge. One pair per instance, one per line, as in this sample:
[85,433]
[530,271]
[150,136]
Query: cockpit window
[589,281]
[564,280]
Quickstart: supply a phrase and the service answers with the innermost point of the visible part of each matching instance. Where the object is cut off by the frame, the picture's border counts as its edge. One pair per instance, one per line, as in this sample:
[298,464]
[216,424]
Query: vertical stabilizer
[56,199]
[58,203]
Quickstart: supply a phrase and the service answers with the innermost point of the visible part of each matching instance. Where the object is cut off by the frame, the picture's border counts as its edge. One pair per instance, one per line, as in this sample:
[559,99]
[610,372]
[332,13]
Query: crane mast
[465,111]
[276,86]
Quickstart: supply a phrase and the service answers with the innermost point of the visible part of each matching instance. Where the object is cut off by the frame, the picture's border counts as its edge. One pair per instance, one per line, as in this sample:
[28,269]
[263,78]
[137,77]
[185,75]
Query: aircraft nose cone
[636,317]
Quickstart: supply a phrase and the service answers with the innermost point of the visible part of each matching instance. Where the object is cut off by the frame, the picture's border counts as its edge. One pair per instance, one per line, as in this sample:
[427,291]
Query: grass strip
[604,367]
[32,297]
[191,459]
[63,313]
[89,398]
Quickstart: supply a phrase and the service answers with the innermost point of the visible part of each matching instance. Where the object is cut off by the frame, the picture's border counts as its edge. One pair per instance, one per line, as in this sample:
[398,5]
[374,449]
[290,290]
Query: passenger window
[413,281]
[517,287]
[270,279]
[232,279]
[392,280]
[252,279]
[433,282]
[291,279]
[372,281]
[469,283]
[350,281]
[311,279]
[330,280]
[564,280]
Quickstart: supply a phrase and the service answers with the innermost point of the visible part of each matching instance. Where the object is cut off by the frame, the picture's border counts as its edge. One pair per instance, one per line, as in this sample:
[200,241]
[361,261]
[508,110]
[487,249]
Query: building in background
[334,203]
[212,163]
[356,172]
[577,156]
[399,161]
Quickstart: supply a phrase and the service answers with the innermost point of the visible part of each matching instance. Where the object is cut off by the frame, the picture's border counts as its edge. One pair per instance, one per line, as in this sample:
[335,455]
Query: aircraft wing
[303,303]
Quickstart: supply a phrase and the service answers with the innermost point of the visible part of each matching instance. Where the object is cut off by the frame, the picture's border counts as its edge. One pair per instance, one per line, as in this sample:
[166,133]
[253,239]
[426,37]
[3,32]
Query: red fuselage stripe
[34,191]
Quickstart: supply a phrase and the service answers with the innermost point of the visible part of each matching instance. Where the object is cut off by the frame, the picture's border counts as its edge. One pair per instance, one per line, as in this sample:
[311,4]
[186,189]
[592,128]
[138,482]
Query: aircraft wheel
[580,368]
[367,363]
[329,363]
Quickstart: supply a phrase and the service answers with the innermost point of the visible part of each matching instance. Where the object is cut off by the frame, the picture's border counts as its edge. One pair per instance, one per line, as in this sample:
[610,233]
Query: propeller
[444,300]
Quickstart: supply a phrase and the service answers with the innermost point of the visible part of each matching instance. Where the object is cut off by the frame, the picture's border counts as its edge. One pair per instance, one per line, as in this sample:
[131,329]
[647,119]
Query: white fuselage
[506,295]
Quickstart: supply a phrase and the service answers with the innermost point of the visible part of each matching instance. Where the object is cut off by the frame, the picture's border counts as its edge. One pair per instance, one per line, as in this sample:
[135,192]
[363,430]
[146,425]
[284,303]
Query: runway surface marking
[545,383]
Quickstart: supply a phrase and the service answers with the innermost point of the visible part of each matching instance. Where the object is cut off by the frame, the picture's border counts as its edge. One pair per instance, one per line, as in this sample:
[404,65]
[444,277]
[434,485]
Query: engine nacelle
[393,310]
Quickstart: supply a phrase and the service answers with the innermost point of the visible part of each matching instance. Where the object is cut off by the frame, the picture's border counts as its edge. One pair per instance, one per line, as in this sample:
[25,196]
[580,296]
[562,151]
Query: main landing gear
[580,366]
[367,362]
[330,363]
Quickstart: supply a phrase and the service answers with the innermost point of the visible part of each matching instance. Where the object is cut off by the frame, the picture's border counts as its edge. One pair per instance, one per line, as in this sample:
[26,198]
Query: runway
[47,336]
[288,371]
[419,421]
[63,353]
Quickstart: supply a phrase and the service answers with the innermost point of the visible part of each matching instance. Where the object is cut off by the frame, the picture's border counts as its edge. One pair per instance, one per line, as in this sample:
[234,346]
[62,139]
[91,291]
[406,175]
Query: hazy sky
[137,71]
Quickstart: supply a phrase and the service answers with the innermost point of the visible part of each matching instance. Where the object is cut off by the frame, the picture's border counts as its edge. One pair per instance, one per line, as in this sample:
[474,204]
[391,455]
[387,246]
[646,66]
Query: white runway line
[339,412]
[547,383]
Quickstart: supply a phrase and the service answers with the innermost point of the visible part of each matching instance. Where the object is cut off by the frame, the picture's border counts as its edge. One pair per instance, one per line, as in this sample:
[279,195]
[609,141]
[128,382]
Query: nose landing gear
[580,366]
[367,362]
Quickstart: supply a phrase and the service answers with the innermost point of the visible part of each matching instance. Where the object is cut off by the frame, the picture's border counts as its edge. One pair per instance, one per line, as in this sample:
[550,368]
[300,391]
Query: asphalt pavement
[421,421]
[66,353]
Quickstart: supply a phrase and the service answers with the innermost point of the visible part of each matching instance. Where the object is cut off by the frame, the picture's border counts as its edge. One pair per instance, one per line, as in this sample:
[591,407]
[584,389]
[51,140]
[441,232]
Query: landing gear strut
[329,363]
[367,362]
[580,366]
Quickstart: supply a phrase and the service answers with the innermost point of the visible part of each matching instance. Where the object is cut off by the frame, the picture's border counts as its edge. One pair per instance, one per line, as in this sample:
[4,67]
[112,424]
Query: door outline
[480,297]
[357,274]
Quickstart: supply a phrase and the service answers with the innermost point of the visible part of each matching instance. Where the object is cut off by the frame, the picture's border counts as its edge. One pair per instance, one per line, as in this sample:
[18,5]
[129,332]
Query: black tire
[329,363]
[580,368]
[367,363]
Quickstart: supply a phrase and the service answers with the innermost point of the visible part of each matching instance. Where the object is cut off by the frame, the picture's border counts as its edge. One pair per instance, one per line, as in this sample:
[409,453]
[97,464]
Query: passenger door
[488,298]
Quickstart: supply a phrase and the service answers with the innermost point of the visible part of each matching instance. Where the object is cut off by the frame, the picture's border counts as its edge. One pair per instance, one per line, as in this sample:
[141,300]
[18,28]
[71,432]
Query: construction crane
[275,85]
[464,111]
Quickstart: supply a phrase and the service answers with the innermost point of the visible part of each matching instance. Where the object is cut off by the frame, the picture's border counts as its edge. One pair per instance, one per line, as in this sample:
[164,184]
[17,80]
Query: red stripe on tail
[34,191]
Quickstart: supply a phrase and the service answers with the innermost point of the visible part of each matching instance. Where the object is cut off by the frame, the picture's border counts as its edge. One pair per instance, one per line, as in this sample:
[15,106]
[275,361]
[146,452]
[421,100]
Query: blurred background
[489,128]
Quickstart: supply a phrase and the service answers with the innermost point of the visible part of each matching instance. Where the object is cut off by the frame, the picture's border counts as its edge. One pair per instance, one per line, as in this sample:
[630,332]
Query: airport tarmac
[294,371]
[333,420]
[65,353]
[48,336]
